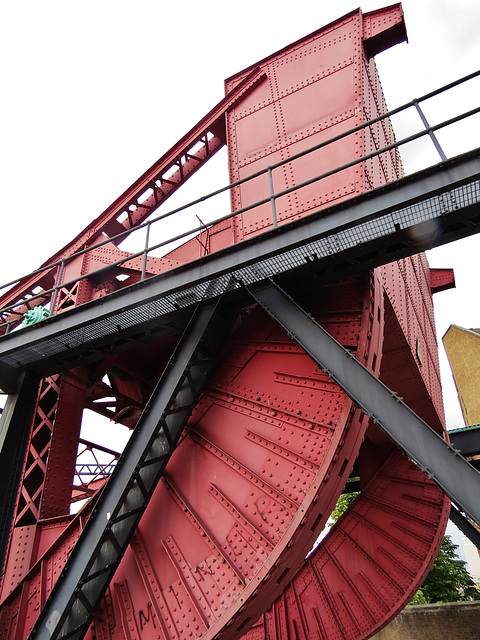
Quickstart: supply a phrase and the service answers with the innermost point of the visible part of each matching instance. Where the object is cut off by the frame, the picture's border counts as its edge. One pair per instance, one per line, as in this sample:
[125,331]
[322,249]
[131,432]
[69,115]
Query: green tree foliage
[344,501]
[418,598]
[448,579]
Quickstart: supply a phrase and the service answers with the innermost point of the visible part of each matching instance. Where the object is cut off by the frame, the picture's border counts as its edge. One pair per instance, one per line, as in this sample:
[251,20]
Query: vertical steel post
[272,198]
[145,253]
[15,422]
[62,453]
[431,133]
[58,281]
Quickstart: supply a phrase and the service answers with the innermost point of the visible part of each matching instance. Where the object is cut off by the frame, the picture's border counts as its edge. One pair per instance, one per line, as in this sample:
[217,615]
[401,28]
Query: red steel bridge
[266,360]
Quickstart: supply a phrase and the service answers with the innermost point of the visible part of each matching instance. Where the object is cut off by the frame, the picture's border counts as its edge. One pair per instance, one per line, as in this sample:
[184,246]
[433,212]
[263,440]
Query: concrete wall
[453,621]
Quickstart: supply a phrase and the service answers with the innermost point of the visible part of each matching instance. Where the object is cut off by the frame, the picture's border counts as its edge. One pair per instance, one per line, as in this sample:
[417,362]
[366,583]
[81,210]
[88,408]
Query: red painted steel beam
[60,468]
[152,188]
[441,280]
[382,29]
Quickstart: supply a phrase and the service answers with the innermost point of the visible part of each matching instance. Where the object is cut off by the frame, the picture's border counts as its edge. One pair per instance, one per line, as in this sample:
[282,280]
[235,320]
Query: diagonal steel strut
[442,462]
[162,179]
[72,604]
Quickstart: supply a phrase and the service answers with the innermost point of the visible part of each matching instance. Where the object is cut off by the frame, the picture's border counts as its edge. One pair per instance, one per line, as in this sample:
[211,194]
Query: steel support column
[72,604]
[15,422]
[11,378]
[438,459]
[62,452]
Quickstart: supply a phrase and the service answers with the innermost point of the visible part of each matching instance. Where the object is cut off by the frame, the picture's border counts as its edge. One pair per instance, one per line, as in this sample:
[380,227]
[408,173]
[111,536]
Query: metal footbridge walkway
[419,212]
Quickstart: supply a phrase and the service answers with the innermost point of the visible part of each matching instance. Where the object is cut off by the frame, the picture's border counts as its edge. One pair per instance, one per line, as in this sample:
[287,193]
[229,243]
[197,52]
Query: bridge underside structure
[262,363]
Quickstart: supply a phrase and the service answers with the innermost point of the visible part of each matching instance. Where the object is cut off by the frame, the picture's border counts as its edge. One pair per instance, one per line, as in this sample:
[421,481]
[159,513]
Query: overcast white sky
[94,92]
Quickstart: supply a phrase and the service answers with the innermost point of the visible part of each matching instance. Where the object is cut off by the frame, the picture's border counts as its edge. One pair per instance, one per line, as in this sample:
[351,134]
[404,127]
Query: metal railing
[12,315]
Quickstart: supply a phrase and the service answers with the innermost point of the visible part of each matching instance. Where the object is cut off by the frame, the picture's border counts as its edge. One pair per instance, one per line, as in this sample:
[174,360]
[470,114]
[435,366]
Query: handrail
[271,198]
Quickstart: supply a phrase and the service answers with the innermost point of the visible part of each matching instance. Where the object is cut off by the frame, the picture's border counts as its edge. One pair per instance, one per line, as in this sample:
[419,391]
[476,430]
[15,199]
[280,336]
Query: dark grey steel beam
[467,441]
[438,459]
[11,378]
[15,423]
[465,526]
[419,212]
[72,603]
